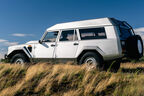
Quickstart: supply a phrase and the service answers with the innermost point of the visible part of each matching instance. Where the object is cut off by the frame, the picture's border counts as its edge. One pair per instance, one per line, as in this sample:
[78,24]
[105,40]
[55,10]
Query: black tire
[19,56]
[134,47]
[91,55]
[112,66]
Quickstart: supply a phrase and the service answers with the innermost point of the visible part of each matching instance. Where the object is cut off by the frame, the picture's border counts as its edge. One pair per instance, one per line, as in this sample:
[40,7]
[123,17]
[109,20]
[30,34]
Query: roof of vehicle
[79,24]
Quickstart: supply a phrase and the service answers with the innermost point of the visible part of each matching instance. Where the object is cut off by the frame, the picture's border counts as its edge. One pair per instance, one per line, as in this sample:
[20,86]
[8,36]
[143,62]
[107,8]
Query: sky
[25,20]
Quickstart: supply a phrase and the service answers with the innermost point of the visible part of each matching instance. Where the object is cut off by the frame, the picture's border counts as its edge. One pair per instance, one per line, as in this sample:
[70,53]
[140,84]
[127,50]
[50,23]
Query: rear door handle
[52,45]
[75,44]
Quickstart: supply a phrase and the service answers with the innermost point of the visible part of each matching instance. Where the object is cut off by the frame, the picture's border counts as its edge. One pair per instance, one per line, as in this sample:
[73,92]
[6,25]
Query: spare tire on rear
[134,47]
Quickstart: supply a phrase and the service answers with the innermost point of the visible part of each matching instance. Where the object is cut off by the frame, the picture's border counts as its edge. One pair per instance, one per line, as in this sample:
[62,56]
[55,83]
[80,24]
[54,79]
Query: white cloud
[11,43]
[21,35]
[2,52]
[3,40]
[1,56]
[7,43]
[140,31]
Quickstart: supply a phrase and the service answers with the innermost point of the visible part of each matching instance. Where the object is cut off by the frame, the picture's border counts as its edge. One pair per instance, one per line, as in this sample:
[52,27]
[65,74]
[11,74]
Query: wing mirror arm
[40,41]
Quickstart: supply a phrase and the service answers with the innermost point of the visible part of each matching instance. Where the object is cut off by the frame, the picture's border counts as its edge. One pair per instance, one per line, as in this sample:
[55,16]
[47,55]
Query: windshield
[50,37]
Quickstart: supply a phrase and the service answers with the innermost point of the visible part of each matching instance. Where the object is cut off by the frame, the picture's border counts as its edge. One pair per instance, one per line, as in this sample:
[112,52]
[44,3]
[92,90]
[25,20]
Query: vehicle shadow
[133,70]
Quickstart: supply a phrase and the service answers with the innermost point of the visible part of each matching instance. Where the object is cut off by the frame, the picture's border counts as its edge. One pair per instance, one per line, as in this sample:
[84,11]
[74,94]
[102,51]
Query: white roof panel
[79,24]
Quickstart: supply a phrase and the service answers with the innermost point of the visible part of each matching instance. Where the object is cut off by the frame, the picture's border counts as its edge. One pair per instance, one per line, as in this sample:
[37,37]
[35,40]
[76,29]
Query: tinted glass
[124,27]
[67,35]
[125,33]
[50,37]
[93,33]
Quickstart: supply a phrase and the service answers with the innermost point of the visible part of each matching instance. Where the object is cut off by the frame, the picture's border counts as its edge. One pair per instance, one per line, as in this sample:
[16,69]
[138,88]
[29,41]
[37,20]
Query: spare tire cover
[134,47]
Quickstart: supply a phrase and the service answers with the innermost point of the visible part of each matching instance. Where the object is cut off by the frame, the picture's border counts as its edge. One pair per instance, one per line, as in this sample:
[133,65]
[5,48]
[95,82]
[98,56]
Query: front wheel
[92,61]
[19,58]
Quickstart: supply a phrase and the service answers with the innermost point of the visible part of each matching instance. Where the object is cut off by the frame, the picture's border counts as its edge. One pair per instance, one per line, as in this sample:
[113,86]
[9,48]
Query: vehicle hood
[21,46]
[15,47]
[32,42]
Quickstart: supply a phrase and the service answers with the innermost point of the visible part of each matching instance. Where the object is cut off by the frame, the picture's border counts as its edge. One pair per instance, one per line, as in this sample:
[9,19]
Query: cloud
[140,31]
[1,56]
[3,44]
[3,51]
[11,43]
[21,35]
[3,40]
[7,43]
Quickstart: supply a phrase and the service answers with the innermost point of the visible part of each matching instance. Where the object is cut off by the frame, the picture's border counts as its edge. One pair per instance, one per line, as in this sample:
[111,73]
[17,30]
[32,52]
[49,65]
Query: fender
[28,53]
[91,48]
[17,50]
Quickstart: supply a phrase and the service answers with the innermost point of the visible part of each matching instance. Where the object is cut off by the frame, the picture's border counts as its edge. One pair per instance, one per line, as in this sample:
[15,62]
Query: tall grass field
[46,79]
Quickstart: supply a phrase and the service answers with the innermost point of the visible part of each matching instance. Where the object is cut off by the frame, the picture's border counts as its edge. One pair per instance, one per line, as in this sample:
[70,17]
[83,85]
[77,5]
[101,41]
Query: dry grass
[132,65]
[45,79]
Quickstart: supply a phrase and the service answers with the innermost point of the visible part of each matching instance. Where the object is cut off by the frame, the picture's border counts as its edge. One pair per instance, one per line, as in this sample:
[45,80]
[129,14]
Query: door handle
[75,44]
[52,45]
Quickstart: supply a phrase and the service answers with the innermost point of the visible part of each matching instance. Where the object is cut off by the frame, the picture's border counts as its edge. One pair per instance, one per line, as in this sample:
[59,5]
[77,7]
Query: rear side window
[125,33]
[92,33]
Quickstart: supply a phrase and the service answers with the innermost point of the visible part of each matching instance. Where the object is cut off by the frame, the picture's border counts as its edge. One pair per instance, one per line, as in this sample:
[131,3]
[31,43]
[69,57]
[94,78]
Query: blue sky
[25,20]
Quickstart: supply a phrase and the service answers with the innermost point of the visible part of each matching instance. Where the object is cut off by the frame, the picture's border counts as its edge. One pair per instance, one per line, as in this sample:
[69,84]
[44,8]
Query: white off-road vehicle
[90,41]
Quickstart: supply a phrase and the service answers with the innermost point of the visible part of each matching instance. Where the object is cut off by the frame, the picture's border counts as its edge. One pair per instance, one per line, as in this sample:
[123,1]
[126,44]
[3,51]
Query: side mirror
[40,41]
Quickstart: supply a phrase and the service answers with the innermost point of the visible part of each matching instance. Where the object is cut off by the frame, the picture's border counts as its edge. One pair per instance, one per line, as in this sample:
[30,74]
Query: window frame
[92,28]
[75,31]
[47,33]
[124,27]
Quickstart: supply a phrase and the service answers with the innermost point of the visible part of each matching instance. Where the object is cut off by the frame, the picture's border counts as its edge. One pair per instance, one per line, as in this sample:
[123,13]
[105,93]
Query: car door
[47,47]
[67,44]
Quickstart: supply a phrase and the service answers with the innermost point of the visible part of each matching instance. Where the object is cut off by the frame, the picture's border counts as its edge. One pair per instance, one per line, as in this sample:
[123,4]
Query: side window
[50,37]
[92,33]
[67,35]
[125,33]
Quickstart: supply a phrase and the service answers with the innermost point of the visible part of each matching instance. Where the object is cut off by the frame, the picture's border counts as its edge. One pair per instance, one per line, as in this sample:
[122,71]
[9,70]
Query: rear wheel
[92,61]
[19,58]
